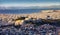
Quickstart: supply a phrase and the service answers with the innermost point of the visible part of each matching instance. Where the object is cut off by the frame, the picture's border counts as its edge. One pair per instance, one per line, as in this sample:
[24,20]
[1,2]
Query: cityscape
[30,24]
[29,17]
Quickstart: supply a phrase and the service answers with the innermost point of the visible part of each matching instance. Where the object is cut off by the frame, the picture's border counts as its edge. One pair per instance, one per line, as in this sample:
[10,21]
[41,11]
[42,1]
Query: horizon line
[28,5]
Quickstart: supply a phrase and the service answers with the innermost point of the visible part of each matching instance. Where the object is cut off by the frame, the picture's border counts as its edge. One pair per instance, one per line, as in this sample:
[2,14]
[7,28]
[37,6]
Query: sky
[27,3]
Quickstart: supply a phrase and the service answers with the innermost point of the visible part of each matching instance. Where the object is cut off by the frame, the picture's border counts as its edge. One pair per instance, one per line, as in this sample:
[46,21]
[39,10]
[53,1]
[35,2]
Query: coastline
[54,14]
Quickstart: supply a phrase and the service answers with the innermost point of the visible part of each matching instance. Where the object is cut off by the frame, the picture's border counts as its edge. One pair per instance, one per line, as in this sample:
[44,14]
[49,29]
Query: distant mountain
[32,7]
[54,6]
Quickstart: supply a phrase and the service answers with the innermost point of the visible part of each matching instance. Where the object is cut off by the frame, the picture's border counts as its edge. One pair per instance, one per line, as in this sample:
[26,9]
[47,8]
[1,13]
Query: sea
[24,11]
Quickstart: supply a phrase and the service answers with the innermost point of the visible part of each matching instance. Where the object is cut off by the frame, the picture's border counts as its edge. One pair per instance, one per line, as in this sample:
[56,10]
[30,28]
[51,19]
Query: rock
[19,22]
